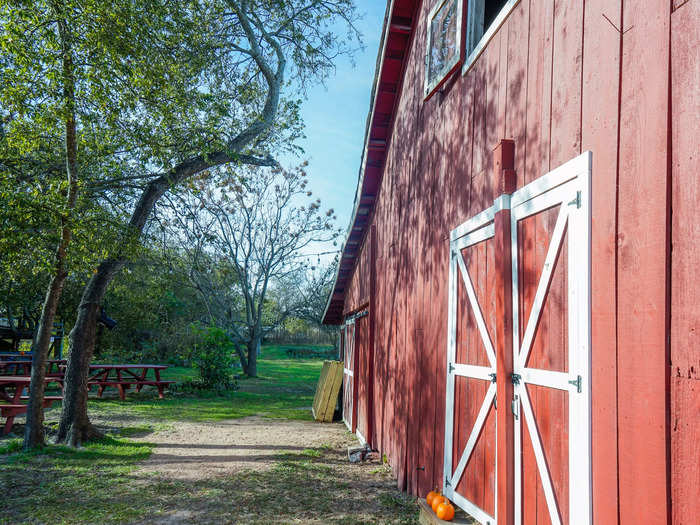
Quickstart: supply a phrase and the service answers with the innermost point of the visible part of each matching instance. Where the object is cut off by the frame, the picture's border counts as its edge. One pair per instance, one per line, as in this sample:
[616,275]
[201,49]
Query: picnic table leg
[122,395]
[160,391]
[8,425]
[11,418]
[142,377]
[100,389]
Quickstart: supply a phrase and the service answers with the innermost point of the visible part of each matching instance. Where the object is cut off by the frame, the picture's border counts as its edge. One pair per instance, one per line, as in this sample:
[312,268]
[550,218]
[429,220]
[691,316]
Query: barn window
[444,42]
[484,17]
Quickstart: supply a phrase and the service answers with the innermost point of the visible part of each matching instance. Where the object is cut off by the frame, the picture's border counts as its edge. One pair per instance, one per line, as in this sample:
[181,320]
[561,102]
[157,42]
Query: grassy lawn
[284,388]
[101,483]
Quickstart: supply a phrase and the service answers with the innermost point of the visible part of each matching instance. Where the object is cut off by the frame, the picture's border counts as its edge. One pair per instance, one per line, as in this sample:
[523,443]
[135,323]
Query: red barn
[516,297]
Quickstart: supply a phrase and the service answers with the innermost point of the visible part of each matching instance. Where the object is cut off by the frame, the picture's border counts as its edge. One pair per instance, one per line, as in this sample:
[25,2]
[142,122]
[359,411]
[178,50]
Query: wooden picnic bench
[125,376]
[15,403]
[24,367]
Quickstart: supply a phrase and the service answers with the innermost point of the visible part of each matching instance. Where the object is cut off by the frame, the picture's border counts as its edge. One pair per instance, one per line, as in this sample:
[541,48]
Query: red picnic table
[14,402]
[24,367]
[125,376]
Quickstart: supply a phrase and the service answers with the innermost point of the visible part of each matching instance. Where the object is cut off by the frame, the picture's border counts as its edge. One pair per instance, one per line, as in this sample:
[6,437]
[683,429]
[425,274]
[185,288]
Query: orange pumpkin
[437,500]
[431,495]
[445,511]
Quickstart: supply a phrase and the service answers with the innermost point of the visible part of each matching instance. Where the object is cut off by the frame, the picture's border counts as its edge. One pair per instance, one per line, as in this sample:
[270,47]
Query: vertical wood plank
[642,265]
[503,338]
[685,312]
[599,125]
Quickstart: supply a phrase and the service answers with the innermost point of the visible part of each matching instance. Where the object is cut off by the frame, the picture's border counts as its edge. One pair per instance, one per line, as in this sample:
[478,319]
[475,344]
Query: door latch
[515,378]
[515,407]
[577,383]
[577,201]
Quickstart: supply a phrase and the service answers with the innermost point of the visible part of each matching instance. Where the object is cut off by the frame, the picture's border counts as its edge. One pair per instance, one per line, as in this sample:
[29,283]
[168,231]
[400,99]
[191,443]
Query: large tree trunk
[34,428]
[252,368]
[75,427]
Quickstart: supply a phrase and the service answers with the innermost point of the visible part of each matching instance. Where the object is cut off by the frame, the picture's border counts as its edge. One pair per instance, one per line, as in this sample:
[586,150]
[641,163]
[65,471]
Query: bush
[213,357]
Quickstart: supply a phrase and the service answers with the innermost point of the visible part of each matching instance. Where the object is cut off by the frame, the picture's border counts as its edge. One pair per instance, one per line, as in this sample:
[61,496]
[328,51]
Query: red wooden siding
[685,314]
[621,79]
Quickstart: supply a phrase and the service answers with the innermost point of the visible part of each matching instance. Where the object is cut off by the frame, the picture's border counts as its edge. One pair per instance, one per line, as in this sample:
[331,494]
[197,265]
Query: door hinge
[515,406]
[447,482]
[577,201]
[450,368]
[493,377]
[515,378]
[577,383]
[495,405]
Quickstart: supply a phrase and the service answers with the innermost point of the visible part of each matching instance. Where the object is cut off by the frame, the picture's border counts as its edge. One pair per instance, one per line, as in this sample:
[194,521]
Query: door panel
[363,379]
[348,375]
[550,234]
[470,467]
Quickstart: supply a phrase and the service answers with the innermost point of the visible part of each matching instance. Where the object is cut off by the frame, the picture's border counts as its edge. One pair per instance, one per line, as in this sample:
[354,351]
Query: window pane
[443,38]
[481,14]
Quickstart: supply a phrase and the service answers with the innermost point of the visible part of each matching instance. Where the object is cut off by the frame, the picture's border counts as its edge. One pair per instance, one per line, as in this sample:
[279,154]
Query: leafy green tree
[213,356]
[90,91]
[257,48]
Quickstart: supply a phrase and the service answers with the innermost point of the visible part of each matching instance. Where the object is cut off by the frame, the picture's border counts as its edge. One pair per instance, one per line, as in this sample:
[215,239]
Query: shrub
[213,357]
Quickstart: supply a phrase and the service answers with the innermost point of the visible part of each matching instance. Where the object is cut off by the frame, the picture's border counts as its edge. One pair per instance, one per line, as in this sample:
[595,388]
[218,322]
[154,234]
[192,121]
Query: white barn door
[550,242]
[349,374]
[471,375]
[560,373]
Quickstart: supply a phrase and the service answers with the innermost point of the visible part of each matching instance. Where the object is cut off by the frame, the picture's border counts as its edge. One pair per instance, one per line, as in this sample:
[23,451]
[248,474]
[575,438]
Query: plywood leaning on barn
[327,391]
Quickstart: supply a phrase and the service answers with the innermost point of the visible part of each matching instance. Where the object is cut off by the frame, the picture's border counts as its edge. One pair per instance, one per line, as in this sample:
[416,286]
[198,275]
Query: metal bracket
[450,368]
[577,200]
[493,377]
[515,378]
[577,383]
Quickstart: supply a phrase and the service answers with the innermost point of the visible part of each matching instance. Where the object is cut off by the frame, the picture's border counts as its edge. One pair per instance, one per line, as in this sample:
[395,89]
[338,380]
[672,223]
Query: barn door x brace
[496,253]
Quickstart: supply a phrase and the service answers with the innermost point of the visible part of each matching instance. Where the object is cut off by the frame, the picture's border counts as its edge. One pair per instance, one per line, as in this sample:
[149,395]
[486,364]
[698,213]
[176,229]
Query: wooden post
[504,182]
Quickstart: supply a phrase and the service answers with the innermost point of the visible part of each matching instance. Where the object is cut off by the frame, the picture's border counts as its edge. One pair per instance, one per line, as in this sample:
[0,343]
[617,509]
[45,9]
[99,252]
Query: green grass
[63,485]
[101,483]
[284,388]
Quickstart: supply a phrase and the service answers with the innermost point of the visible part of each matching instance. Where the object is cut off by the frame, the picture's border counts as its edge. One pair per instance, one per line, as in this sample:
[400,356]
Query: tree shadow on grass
[100,484]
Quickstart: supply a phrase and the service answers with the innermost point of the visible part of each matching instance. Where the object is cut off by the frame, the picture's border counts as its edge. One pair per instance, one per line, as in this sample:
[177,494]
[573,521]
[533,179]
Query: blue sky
[335,117]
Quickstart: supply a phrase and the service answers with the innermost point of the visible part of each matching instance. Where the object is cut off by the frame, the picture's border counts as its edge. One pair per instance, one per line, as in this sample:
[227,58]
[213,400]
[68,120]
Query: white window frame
[429,87]
[488,34]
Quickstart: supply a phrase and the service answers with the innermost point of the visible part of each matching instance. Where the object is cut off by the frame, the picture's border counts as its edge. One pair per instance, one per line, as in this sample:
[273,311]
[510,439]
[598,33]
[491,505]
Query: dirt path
[202,450]
[264,471]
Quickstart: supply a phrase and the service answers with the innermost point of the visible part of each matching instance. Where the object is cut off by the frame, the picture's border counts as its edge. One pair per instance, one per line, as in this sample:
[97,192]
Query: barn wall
[685,314]
[621,79]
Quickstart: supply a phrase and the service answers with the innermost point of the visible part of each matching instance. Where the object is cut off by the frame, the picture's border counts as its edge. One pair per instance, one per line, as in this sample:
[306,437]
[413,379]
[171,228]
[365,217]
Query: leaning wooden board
[327,391]
[426,516]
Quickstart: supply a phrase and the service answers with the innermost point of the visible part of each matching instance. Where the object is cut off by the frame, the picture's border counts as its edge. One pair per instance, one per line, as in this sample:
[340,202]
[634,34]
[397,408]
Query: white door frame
[348,370]
[477,229]
[568,187]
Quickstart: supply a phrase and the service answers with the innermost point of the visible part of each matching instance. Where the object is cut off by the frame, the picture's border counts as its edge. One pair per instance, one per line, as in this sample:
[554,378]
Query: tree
[113,82]
[255,228]
[249,44]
